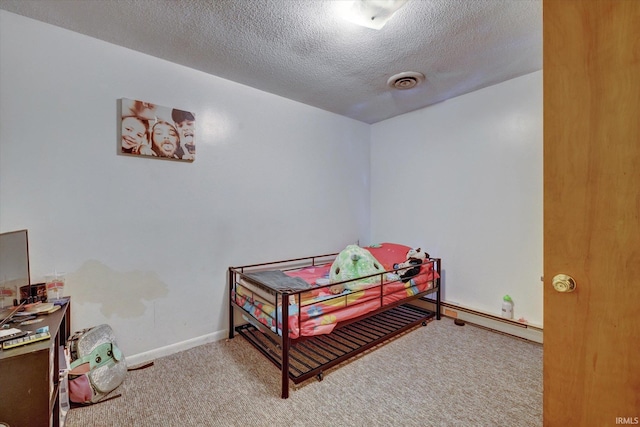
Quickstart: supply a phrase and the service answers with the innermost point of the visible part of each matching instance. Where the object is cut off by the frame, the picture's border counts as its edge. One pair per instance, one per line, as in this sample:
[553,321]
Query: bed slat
[312,356]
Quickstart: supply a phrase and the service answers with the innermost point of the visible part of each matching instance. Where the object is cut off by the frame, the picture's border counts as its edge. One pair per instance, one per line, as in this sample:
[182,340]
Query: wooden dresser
[29,375]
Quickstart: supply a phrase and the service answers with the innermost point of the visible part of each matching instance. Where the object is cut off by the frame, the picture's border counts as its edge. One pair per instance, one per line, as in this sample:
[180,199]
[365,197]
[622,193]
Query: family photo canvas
[151,130]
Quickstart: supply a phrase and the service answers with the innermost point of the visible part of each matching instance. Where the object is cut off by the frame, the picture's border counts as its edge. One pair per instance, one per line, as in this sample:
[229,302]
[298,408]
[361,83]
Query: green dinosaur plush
[351,263]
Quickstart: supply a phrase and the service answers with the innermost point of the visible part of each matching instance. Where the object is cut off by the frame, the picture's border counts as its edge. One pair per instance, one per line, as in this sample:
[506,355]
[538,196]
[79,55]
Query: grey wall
[146,243]
[463,180]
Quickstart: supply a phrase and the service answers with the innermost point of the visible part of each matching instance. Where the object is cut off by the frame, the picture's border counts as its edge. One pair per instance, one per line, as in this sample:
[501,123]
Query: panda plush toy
[411,267]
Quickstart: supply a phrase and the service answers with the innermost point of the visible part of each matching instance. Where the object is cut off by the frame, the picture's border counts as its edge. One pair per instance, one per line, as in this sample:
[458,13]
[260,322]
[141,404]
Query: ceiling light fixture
[371,13]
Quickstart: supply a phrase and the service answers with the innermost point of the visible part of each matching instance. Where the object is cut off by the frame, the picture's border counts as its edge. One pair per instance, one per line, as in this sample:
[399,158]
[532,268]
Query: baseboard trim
[475,317]
[486,320]
[168,350]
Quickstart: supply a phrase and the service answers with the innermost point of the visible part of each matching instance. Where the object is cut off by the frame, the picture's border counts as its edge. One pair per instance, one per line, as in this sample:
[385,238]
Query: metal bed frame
[304,357]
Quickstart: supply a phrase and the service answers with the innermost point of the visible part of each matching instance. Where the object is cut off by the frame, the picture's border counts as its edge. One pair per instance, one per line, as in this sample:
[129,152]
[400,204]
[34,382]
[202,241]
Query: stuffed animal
[351,263]
[411,267]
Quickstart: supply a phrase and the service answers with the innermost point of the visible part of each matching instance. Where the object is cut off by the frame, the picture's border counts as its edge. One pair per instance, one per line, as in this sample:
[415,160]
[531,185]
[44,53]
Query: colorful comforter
[317,311]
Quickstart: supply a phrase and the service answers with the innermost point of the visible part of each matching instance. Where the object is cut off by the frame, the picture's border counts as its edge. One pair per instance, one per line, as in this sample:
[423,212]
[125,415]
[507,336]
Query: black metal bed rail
[305,357]
[312,356]
[312,259]
[239,271]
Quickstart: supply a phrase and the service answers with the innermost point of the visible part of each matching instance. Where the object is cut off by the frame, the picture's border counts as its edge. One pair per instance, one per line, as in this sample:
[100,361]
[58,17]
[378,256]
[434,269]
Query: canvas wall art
[154,131]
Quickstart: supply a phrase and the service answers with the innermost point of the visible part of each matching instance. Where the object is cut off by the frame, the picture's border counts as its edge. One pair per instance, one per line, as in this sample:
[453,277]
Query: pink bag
[80,389]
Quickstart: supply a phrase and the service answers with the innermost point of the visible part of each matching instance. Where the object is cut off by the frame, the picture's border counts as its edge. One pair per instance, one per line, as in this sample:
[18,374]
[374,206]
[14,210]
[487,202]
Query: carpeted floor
[438,375]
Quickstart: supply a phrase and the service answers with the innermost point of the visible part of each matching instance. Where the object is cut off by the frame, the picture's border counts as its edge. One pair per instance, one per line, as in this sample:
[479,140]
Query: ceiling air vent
[407,80]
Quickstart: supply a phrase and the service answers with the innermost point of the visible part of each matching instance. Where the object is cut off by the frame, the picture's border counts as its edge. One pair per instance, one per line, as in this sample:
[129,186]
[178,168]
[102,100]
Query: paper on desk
[10,331]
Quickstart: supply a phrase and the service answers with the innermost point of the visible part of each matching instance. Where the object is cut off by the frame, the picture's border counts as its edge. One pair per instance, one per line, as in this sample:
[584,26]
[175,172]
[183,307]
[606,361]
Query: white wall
[463,180]
[146,242]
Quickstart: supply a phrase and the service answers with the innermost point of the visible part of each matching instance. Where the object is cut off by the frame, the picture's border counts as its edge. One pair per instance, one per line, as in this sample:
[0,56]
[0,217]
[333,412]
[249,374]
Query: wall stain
[119,293]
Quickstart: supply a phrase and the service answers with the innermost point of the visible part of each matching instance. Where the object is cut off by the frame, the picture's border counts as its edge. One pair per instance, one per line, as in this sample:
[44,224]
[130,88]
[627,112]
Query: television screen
[14,265]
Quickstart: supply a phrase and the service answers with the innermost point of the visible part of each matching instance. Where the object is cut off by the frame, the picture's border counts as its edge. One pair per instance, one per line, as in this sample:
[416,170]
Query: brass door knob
[563,283]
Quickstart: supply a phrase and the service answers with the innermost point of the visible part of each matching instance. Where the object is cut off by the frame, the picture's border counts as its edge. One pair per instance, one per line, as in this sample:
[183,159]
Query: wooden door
[591,74]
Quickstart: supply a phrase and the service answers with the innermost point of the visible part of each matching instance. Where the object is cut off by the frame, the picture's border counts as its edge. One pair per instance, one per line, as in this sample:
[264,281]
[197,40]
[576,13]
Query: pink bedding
[317,311]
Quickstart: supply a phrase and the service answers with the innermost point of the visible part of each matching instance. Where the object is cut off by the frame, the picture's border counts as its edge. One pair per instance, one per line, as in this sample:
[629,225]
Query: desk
[29,380]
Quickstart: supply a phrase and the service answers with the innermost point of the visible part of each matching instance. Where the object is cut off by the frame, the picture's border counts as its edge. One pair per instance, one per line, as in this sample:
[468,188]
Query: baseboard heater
[485,320]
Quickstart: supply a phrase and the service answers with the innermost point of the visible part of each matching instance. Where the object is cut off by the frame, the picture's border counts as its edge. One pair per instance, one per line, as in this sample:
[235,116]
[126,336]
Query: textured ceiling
[302,50]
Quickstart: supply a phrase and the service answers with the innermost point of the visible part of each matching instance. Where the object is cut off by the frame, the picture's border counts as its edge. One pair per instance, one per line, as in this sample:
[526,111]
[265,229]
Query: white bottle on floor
[507,307]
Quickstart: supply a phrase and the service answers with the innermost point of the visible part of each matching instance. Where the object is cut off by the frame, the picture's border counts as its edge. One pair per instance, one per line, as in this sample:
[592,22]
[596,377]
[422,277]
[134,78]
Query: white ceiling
[301,49]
